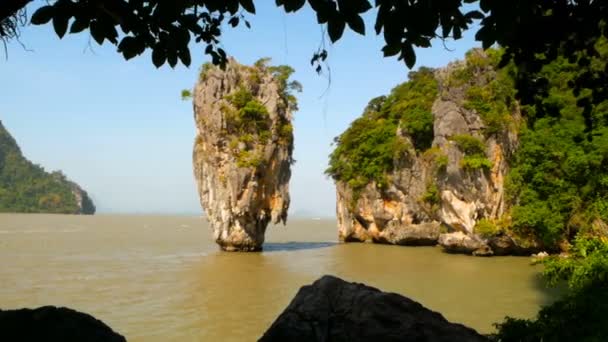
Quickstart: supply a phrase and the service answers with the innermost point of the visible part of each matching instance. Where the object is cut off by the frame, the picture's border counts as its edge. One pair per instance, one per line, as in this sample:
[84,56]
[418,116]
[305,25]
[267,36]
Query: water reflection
[236,295]
[294,246]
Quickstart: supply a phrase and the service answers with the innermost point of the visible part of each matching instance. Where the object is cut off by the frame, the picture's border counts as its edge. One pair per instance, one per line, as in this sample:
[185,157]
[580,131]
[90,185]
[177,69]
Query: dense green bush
[559,177]
[584,267]
[365,152]
[486,228]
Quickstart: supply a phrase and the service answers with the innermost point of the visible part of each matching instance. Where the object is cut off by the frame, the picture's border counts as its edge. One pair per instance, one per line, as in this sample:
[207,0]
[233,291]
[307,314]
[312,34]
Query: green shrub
[436,156]
[475,162]
[441,162]
[286,133]
[249,159]
[240,97]
[474,152]
[431,195]
[186,94]
[486,228]
[468,144]
[586,266]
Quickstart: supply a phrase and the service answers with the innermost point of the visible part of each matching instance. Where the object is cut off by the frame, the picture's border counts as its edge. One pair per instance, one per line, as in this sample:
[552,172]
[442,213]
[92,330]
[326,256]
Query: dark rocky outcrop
[332,309]
[51,323]
[243,150]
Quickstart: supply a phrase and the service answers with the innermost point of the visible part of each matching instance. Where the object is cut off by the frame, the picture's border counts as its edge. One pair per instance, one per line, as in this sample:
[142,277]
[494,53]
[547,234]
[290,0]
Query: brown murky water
[160,278]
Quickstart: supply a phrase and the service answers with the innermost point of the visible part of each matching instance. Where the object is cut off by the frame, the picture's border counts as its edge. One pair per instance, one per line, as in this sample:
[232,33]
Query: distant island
[27,188]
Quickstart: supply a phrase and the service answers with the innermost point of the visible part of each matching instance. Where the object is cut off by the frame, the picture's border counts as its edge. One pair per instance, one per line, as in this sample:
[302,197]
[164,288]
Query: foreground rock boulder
[243,149]
[332,309]
[51,323]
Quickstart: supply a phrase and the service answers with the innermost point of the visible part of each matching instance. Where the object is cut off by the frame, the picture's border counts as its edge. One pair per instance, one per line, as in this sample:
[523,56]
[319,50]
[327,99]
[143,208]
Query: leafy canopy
[533,32]
[559,179]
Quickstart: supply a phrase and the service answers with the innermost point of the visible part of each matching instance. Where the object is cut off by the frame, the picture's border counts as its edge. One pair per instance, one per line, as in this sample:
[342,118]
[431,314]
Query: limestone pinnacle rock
[243,149]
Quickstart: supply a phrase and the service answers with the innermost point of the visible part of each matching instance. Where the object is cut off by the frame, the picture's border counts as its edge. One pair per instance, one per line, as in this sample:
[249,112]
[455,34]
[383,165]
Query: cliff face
[27,187]
[243,150]
[448,186]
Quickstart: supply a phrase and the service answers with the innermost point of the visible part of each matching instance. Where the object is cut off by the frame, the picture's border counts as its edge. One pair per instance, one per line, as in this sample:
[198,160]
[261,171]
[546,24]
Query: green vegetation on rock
[27,188]
[366,151]
[490,91]
[249,126]
[486,228]
[474,152]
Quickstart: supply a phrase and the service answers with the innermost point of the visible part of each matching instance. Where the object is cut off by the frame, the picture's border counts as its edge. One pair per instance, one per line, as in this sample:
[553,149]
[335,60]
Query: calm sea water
[160,278]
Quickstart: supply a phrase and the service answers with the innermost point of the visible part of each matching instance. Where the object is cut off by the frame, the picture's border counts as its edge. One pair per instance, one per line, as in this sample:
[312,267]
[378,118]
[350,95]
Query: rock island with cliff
[450,157]
[243,149]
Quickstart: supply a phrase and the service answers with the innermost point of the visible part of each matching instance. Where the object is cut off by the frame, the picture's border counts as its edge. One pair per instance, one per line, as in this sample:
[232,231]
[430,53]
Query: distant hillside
[27,188]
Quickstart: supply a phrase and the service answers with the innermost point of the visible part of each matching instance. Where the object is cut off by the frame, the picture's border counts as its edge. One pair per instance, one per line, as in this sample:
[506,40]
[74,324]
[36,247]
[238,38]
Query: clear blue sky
[120,130]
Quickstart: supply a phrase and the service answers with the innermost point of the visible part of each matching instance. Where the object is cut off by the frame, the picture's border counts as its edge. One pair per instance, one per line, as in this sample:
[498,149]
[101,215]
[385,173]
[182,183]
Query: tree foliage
[582,314]
[559,178]
[366,151]
[26,187]
[533,32]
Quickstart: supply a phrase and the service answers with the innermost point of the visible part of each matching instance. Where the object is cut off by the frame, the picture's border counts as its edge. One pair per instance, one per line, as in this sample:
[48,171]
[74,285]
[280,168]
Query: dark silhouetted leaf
[335,29]
[131,47]
[356,24]
[184,56]
[60,24]
[291,5]
[391,50]
[79,25]
[159,56]
[356,6]
[97,32]
[43,15]
[408,54]
[248,5]
[172,57]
